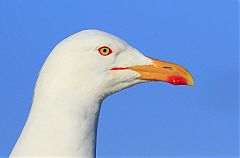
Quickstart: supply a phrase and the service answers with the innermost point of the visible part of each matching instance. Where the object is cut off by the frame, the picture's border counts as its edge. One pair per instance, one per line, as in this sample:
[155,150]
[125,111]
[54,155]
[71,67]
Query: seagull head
[105,64]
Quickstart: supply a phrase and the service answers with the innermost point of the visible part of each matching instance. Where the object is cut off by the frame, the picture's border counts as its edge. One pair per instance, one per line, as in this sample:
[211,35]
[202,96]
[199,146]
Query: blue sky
[153,119]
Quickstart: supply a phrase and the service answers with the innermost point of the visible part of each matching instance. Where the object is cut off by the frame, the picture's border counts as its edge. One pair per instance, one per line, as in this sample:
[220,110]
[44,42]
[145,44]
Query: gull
[79,73]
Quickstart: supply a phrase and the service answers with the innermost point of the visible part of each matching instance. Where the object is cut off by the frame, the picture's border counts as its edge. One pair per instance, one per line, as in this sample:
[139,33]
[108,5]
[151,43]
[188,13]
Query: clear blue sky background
[154,119]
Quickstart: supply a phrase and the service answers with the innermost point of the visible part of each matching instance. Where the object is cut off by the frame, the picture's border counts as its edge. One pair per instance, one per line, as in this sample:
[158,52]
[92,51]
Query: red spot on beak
[119,68]
[177,80]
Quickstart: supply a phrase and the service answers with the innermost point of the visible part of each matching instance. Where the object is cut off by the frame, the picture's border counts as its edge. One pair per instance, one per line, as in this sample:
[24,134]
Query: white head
[104,64]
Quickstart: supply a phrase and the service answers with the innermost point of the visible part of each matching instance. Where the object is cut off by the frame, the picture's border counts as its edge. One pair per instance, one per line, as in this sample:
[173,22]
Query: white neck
[62,122]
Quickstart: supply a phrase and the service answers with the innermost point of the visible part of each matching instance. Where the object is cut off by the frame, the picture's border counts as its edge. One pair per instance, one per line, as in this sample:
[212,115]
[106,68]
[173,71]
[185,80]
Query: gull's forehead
[96,34]
[96,38]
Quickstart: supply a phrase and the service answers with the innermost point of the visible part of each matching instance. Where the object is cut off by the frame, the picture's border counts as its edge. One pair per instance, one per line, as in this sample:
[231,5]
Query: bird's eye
[104,50]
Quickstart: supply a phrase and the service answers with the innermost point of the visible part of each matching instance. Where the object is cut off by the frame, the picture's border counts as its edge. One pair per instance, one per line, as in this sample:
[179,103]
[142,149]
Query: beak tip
[191,84]
[180,80]
[191,81]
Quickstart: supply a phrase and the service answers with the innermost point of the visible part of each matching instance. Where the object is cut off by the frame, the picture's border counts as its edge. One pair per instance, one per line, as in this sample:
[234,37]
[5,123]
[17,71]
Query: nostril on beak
[168,67]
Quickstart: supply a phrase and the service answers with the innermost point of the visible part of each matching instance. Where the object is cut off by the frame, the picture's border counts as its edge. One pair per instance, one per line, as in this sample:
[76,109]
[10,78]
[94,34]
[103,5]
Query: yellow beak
[164,71]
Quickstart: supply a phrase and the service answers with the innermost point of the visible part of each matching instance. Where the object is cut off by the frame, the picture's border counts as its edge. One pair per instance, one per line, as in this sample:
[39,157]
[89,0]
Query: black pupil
[104,50]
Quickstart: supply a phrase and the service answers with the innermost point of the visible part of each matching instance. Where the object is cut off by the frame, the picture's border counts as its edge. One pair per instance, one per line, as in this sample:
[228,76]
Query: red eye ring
[105,50]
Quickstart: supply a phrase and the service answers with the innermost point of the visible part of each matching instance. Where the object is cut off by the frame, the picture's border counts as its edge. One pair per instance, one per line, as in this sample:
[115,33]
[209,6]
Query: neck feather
[62,122]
